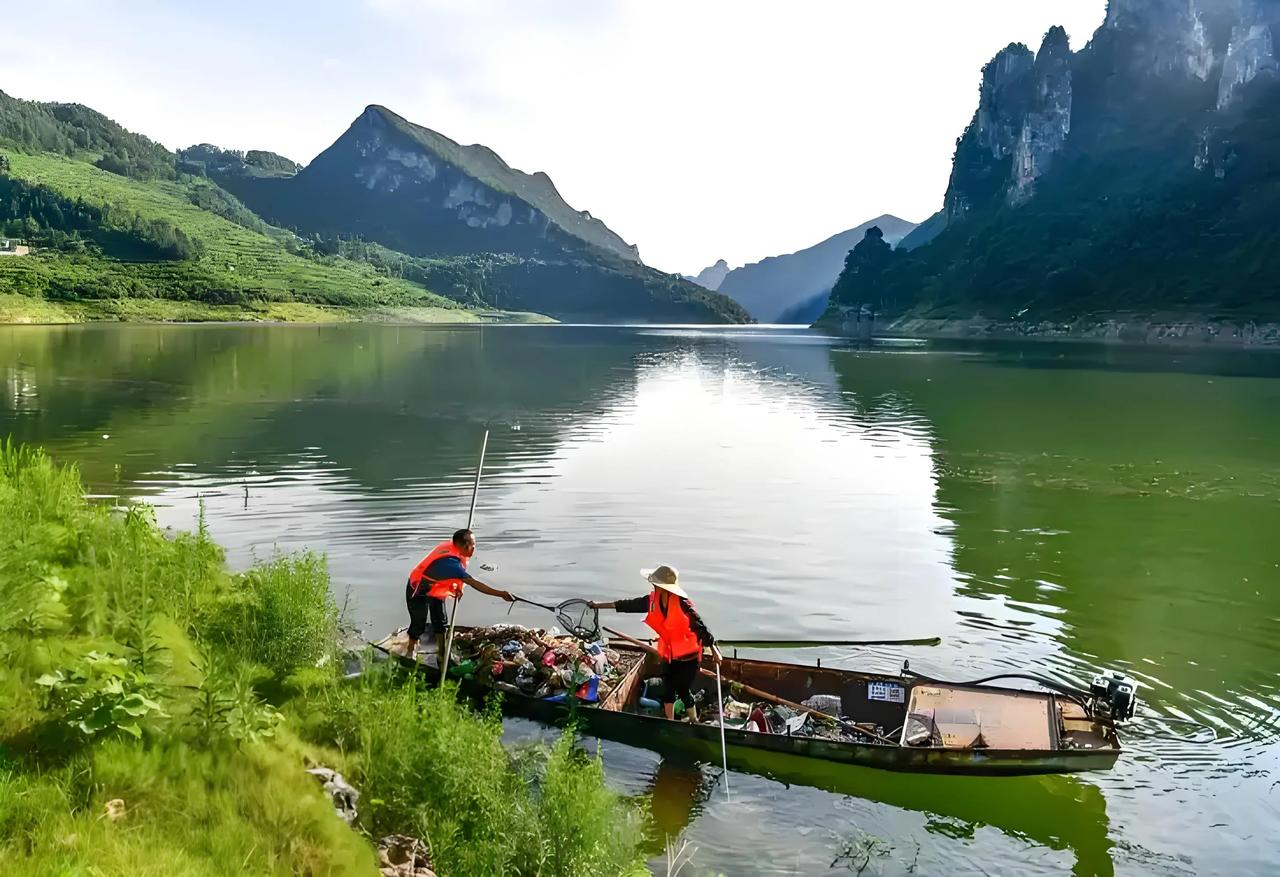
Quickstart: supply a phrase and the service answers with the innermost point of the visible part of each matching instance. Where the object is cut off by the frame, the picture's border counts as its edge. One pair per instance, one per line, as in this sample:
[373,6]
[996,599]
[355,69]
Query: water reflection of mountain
[383,404]
[1119,519]
[1119,505]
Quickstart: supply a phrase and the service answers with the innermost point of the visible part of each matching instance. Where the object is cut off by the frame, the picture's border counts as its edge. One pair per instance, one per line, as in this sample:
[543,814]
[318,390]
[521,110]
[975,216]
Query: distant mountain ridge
[710,277]
[794,287]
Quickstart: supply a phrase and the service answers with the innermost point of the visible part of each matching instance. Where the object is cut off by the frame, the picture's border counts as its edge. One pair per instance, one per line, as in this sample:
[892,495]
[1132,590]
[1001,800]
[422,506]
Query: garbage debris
[400,855]
[769,718]
[539,663]
[922,730]
[824,703]
[340,791]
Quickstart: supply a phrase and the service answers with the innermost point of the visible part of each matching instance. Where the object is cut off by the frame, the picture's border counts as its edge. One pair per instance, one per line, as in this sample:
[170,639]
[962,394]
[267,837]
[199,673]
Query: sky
[697,129]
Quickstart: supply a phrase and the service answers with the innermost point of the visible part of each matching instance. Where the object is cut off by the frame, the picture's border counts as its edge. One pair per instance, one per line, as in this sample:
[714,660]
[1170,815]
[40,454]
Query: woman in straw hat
[682,635]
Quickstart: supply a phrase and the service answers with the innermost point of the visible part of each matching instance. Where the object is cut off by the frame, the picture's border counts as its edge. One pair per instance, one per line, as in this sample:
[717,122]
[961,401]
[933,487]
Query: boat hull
[747,750]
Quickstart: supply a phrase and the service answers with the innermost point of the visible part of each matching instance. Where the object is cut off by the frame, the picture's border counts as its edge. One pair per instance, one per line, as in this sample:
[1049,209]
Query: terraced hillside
[234,260]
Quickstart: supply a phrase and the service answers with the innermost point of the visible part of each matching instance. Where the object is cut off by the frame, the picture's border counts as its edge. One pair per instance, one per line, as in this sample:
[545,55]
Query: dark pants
[421,607]
[677,676]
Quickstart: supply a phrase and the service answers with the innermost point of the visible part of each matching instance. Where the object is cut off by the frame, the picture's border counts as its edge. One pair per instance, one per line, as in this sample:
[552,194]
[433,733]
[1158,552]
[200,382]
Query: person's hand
[593,604]
[506,595]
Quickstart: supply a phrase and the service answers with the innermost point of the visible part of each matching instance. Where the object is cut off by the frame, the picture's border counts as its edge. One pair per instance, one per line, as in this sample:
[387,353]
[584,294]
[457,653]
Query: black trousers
[421,607]
[677,676]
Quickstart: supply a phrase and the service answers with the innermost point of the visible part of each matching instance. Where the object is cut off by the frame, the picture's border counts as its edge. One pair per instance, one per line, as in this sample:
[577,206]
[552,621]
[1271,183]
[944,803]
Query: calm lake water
[1050,508]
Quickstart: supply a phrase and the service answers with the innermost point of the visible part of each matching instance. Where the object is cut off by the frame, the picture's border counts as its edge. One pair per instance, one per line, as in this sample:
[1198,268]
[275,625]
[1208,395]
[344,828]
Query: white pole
[453,613]
[724,749]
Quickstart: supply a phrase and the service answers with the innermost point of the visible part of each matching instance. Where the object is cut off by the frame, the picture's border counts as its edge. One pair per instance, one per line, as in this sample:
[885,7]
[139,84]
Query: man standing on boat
[438,576]
[682,635]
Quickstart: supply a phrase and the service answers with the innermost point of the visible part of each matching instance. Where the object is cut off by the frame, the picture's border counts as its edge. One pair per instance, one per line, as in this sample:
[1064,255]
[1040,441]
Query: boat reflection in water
[1061,813]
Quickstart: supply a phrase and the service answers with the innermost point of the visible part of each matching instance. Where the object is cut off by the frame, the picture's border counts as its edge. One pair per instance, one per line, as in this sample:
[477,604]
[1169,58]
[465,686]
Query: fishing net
[578,617]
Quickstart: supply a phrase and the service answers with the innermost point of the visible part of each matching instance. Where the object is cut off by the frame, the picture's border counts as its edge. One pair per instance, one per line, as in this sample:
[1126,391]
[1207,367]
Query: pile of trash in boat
[538,663]
[767,718]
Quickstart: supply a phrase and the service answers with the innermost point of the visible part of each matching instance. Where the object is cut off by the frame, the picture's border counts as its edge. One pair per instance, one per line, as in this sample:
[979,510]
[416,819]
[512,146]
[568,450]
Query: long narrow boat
[931,726]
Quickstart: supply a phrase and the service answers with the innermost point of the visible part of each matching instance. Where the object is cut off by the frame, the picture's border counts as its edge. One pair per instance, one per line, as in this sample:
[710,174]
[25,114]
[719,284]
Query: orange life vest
[676,638]
[440,588]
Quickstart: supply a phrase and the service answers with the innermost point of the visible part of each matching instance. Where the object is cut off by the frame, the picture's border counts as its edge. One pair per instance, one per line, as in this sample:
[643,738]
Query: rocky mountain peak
[1164,36]
[983,152]
[1048,120]
[712,276]
[427,172]
[1251,51]
[1002,100]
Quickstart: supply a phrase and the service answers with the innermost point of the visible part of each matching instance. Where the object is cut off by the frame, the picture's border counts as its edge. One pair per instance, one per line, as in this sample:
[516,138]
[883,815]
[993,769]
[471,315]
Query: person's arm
[699,628]
[639,604]
[486,589]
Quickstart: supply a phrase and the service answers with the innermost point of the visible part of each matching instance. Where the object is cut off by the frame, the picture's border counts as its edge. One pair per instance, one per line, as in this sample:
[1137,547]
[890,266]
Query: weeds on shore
[157,713]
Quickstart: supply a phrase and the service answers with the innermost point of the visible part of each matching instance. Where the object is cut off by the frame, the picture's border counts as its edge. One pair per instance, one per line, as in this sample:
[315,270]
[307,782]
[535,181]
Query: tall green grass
[424,763]
[134,666]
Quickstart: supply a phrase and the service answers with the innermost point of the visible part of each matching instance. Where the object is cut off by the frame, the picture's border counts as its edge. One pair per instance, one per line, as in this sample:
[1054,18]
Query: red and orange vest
[440,588]
[676,639]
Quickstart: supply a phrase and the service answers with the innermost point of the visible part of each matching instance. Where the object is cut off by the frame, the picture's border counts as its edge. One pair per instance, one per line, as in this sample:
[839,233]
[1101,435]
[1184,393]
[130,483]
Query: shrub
[281,615]
[421,761]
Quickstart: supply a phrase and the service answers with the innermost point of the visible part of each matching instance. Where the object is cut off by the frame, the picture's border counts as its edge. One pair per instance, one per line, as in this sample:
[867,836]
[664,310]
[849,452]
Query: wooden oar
[764,695]
[814,644]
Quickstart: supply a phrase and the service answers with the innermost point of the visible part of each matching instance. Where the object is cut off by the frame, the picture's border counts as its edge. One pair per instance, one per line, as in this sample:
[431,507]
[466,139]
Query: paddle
[814,644]
[453,612]
[764,695]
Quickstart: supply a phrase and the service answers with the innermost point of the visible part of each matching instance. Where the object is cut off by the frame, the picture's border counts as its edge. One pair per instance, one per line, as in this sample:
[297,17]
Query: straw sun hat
[665,577]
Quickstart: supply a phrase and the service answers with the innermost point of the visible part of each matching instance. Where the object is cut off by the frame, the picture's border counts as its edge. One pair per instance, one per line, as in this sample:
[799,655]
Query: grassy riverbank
[157,714]
[34,310]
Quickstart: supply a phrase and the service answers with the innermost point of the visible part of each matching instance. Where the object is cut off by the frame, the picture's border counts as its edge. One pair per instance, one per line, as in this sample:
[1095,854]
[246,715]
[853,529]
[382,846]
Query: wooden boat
[953,728]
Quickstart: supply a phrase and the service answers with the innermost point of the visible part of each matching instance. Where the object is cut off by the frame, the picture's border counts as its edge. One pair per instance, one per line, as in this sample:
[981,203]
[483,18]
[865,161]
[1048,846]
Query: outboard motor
[1114,696]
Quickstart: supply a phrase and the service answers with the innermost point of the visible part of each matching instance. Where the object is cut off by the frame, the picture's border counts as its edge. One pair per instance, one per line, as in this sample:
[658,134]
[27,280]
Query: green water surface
[1049,508]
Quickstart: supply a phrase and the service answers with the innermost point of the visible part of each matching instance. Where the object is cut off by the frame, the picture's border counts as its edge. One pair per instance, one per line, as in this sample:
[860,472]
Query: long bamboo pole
[453,612]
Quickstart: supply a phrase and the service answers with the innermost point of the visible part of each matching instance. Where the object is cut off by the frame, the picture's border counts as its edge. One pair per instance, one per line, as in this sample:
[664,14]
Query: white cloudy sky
[697,129]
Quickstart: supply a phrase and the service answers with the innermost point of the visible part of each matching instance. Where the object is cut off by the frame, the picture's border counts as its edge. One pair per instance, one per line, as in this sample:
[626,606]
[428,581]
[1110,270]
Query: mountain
[924,232]
[119,232]
[710,277]
[417,191]
[470,222]
[1132,182]
[396,222]
[794,287]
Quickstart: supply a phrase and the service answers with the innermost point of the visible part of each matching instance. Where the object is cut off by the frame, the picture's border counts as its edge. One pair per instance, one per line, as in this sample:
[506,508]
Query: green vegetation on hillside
[1128,226]
[72,129]
[157,715]
[231,258]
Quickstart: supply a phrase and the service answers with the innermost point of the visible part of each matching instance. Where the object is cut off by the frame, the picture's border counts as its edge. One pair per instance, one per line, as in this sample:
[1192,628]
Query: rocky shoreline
[1154,331]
